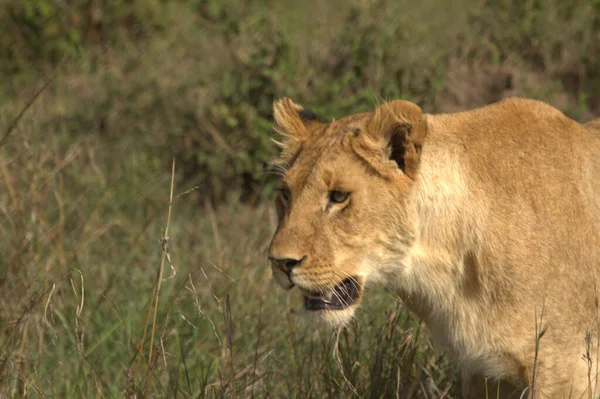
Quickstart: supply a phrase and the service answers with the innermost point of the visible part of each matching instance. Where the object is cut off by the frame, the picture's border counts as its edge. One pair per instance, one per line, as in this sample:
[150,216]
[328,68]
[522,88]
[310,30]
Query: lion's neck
[441,271]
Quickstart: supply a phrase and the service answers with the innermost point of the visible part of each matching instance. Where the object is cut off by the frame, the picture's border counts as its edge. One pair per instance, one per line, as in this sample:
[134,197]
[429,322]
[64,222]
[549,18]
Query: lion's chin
[330,318]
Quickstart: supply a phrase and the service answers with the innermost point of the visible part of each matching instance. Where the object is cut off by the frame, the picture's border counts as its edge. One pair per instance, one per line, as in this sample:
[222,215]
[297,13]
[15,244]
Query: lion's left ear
[399,128]
[292,120]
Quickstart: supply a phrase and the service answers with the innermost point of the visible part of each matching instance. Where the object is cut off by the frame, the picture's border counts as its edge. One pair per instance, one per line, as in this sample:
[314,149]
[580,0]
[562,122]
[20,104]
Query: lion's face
[343,203]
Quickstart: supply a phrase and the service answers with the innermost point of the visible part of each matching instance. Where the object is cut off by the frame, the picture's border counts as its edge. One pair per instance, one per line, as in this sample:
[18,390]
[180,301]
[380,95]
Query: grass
[101,296]
[82,316]
[80,282]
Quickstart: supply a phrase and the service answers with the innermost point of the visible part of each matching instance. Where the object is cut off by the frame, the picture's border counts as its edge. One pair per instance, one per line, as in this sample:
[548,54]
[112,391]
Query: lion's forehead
[308,167]
[332,134]
[347,124]
[318,152]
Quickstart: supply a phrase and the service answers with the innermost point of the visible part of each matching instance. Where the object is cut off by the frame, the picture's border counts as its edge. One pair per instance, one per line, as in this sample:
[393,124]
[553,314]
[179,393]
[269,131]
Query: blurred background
[110,286]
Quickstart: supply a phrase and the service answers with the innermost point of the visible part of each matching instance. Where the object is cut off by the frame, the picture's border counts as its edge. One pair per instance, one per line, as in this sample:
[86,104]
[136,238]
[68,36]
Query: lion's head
[343,203]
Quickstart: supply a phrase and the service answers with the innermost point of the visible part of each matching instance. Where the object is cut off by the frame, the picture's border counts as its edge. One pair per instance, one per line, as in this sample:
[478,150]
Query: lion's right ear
[398,128]
[292,120]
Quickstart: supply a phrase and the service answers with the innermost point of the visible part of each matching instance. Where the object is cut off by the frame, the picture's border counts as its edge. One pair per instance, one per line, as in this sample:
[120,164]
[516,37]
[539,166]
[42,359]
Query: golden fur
[486,223]
[594,126]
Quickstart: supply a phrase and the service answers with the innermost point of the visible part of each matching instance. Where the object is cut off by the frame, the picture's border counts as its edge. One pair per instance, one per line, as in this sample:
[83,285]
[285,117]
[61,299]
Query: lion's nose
[287,264]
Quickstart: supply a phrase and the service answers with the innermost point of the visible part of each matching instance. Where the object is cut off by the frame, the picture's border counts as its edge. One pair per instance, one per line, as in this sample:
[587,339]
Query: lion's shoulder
[516,112]
[594,127]
[516,145]
[530,122]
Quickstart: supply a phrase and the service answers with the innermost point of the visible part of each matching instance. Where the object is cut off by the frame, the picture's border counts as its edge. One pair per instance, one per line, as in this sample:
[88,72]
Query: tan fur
[594,126]
[490,232]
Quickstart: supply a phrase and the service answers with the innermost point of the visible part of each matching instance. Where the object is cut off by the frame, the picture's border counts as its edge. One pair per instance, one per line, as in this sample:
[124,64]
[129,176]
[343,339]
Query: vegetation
[86,171]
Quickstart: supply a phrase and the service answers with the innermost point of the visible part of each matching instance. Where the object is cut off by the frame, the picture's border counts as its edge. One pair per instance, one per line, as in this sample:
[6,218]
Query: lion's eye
[285,195]
[338,197]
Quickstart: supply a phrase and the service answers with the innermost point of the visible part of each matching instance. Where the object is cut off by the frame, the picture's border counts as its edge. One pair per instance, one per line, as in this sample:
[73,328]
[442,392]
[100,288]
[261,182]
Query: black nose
[287,264]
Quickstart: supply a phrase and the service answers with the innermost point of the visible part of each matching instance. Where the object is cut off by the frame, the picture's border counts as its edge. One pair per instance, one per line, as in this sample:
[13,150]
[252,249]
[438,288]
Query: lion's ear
[399,128]
[292,120]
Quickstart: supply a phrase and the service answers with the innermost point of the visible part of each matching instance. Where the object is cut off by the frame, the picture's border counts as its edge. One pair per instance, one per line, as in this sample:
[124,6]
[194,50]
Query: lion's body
[498,238]
[594,126]
[508,200]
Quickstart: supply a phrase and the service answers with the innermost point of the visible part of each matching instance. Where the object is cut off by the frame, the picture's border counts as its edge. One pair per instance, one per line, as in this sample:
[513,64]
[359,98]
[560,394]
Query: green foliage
[559,39]
[38,32]
[198,78]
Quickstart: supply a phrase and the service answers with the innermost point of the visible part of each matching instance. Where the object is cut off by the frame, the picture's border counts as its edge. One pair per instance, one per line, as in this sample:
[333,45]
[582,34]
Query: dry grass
[83,280]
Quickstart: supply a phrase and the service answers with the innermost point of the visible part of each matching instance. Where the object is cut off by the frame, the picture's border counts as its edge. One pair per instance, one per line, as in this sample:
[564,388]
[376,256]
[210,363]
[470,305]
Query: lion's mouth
[344,295]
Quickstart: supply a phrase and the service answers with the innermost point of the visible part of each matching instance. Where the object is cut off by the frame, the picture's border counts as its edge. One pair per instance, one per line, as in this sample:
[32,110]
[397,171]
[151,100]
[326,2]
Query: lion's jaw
[336,306]
[343,214]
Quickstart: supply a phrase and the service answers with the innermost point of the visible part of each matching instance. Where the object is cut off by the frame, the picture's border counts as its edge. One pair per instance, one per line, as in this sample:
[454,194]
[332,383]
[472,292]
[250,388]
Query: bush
[44,31]
[196,79]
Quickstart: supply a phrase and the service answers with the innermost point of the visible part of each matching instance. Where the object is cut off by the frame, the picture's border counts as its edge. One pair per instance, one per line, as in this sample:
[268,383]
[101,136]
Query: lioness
[486,223]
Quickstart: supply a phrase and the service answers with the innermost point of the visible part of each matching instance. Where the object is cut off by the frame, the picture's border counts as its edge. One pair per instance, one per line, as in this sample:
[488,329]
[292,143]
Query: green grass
[82,224]
[81,252]
[85,181]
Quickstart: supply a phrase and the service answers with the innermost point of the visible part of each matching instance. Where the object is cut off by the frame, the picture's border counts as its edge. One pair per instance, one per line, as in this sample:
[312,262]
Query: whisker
[353,280]
[278,167]
[272,172]
[334,292]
